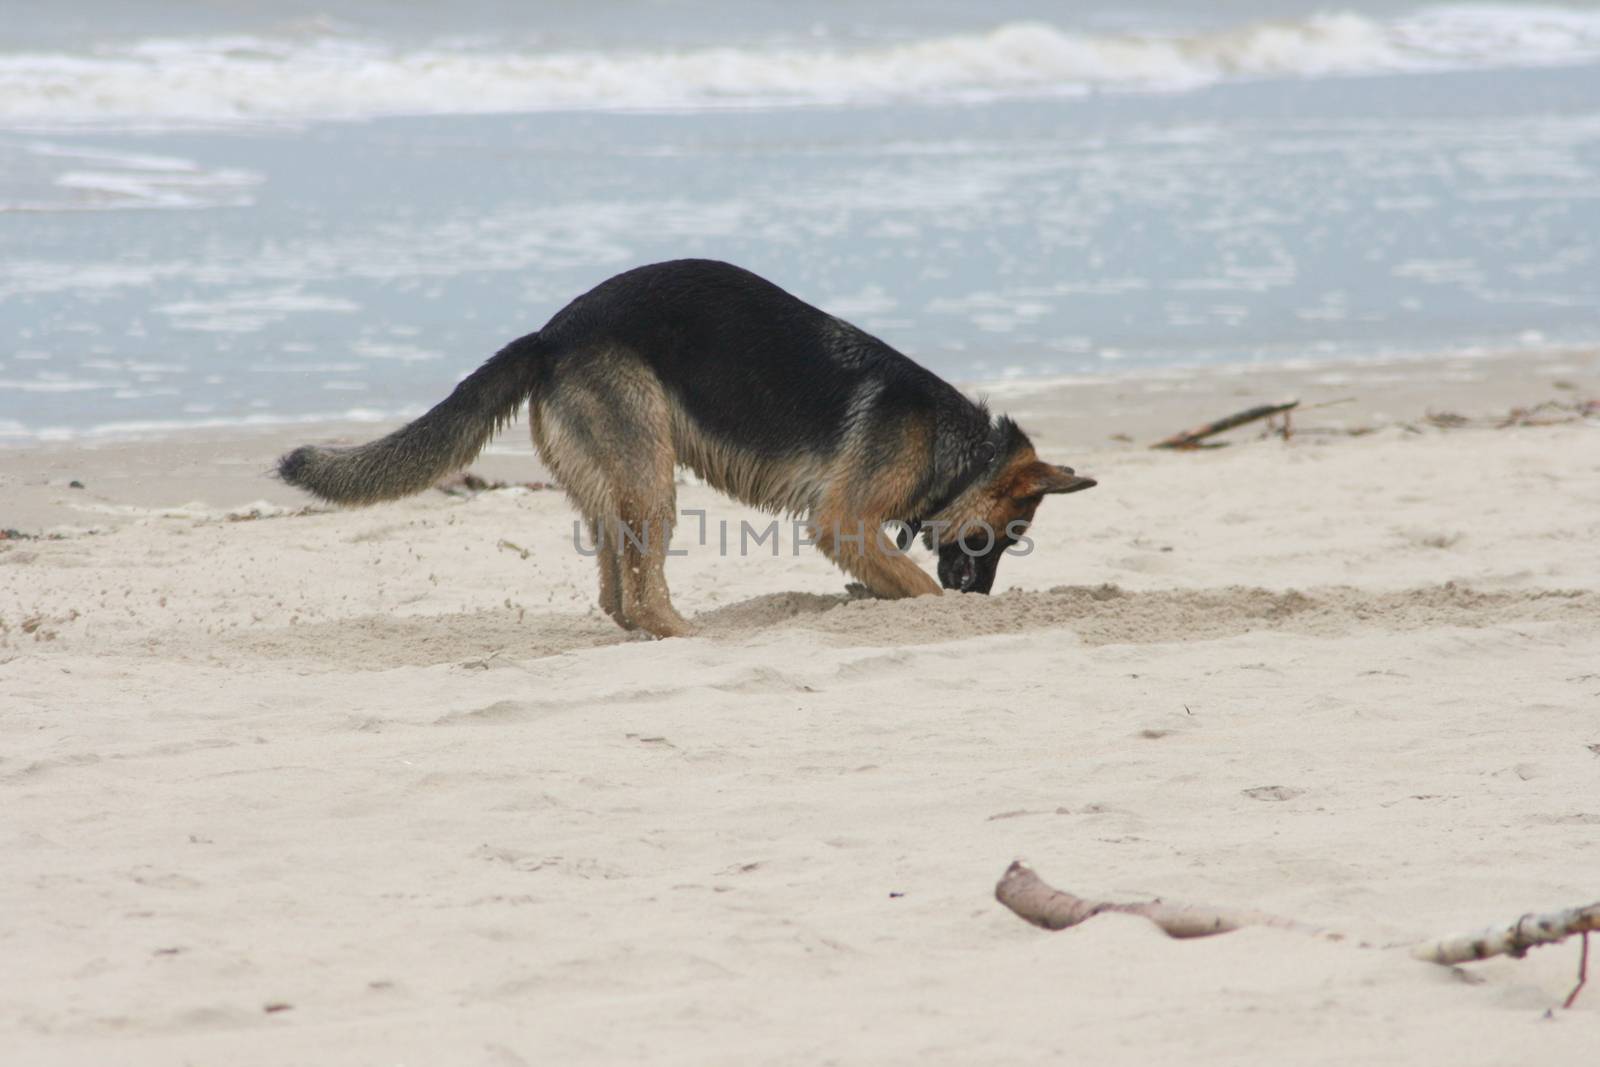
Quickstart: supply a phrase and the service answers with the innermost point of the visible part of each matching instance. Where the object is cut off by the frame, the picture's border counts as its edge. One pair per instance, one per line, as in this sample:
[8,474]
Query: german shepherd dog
[704,365]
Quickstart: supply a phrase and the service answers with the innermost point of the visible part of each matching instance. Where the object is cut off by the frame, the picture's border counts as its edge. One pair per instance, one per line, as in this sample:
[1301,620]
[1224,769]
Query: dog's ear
[1038,478]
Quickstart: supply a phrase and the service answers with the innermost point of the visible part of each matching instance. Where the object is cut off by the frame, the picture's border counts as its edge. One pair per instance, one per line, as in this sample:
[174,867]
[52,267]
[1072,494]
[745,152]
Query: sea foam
[243,78]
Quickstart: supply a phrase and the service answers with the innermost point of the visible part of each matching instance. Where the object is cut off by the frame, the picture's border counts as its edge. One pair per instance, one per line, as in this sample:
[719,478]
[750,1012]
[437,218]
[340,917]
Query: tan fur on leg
[610,566]
[608,441]
[848,527]
[862,550]
[645,598]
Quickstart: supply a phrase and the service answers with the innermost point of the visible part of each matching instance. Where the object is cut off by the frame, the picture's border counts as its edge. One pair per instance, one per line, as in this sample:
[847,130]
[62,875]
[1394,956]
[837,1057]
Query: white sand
[380,768]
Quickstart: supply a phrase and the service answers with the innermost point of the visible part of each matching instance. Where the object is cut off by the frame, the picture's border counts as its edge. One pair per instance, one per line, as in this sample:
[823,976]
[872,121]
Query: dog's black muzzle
[969,566]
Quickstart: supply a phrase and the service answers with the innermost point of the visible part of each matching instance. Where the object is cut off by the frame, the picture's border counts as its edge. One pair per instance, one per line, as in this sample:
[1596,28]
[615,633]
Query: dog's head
[994,514]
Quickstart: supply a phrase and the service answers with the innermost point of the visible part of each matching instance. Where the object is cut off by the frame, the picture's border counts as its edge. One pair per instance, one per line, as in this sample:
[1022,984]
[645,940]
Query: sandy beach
[284,784]
[287,784]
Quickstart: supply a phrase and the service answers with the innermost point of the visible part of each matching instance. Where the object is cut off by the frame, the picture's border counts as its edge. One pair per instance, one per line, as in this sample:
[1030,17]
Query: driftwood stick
[1026,894]
[1514,940]
[1192,438]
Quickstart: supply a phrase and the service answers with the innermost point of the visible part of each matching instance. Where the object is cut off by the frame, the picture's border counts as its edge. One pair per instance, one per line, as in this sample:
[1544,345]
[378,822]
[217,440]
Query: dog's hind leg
[571,453]
[645,532]
[640,465]
[604,429]
[610,564]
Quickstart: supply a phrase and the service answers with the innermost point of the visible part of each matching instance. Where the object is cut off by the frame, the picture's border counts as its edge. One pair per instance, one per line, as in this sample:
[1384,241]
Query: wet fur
[704,365]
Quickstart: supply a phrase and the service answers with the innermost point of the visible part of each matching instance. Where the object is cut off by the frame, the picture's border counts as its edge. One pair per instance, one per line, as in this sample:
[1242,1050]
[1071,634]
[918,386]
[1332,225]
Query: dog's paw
[857,591]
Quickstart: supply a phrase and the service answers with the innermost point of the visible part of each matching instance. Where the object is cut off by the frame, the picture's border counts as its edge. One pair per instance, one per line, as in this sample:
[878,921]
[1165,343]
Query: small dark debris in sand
[9,534]
[74,484]
[37,625]
[1595,749]
[1273,792]
[1549,413]
[166,951]
[1106,591]
[467,484]
[895,894]
[513,546]
[253,514]
[276,1006]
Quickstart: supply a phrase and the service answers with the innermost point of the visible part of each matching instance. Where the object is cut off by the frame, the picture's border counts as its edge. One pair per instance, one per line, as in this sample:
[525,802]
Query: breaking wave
[234,79]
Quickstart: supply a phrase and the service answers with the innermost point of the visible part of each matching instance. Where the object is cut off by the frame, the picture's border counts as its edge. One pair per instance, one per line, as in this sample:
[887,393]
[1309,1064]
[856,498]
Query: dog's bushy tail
[422,452]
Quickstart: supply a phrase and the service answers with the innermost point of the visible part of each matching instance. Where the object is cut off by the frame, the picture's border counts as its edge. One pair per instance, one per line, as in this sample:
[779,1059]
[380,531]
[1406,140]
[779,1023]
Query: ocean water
[212,214]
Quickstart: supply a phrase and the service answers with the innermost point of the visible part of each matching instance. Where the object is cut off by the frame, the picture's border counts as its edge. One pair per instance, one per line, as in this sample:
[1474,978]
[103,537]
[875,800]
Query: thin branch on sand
[1583,973]
[1193,438]
[1032,899]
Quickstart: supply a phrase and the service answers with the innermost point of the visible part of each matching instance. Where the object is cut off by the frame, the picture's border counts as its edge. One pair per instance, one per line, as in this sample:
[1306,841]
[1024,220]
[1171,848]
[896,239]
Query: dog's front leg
[865,552]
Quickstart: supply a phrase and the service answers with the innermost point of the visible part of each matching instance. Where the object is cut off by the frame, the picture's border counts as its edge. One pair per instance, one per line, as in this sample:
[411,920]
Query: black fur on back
[762,370]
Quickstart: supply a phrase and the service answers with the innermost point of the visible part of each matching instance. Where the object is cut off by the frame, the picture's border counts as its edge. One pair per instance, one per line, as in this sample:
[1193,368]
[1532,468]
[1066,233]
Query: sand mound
[1109,614]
